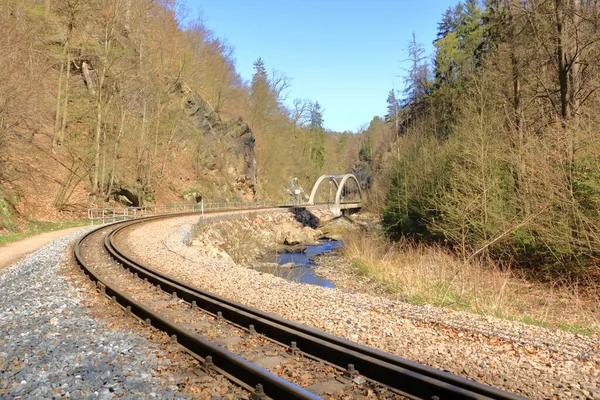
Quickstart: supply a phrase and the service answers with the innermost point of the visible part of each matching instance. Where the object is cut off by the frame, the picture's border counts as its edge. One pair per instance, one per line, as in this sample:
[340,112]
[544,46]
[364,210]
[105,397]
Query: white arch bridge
[341,192]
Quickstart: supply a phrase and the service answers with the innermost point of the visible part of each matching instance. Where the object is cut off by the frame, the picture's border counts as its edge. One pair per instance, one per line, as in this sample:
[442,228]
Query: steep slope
[112,120]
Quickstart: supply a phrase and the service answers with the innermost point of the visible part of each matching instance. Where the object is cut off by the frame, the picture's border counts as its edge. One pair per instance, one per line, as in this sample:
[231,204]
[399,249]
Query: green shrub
[7,211]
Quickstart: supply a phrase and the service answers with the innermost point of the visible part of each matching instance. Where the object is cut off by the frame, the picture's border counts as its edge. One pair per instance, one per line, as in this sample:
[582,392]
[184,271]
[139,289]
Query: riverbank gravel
[52,347]
[528,360]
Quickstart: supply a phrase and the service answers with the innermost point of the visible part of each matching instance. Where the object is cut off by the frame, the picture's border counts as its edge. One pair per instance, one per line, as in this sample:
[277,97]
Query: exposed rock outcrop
[337,227]
[134,196]
[229,146]
[305,217]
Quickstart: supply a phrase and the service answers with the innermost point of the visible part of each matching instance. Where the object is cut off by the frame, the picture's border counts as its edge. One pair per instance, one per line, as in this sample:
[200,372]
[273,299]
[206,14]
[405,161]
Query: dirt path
[14,251]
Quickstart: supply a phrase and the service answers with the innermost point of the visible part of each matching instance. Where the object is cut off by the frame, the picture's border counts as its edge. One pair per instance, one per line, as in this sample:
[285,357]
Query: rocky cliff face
[229,146]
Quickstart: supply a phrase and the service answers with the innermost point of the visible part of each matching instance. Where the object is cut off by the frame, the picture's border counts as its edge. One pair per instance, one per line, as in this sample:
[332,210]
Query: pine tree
[260,79]
[316,117]
[393,111]
[317,153]
[417,80]
[261,98]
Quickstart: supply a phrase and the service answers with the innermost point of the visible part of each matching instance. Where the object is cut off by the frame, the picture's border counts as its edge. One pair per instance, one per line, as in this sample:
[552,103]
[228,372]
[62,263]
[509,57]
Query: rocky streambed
[300,265]
[283,244]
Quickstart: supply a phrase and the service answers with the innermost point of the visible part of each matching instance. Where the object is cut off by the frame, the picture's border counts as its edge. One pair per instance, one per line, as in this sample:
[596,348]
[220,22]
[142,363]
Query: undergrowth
[430,274]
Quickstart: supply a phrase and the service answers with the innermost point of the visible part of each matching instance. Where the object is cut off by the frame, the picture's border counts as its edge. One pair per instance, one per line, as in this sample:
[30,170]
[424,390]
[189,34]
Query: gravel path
[528,360]
[52,347]
[13,251]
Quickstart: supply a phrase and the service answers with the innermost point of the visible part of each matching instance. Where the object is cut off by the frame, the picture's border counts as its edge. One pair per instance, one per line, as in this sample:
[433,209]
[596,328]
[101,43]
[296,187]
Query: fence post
[202,206]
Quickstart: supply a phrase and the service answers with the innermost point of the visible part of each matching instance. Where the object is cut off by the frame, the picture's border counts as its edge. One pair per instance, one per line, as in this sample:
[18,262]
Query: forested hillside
[114,102]
[498,136]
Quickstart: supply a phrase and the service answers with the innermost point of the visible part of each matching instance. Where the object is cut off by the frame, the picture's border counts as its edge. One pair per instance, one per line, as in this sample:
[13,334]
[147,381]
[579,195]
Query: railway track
[269,356]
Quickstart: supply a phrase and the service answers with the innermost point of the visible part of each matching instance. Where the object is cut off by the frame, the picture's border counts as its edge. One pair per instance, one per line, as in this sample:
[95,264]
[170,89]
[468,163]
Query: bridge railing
[114,214]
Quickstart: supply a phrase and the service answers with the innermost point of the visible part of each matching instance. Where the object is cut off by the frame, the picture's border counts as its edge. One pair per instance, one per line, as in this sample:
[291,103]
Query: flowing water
[304,271]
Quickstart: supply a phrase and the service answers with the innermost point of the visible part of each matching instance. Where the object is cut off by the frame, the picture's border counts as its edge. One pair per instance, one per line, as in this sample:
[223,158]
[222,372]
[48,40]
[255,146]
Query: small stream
[304,271]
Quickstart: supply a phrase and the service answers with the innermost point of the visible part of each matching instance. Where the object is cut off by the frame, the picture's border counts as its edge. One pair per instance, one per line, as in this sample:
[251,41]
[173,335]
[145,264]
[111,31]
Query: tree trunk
[396,118]
[98,134]
[516,75]
[114,155]
[561,57]
[58,100]
[128,15]
[87,78]
[157,131]
[144,121]
[574,90]
[104,61]
[63,124]
[168,147]
[518,141]
[99,121]
[60,122]
[575,64]
[101,184]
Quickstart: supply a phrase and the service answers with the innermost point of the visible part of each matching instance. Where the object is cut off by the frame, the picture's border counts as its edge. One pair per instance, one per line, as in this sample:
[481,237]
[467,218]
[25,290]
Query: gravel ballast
[52,347]
[528,360]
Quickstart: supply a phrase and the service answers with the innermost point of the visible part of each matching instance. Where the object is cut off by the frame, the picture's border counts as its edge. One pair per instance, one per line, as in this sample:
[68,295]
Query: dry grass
[430,274]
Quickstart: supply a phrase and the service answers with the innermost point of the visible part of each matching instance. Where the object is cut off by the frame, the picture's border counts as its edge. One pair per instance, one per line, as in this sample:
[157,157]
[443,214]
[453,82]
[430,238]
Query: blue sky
[345,54]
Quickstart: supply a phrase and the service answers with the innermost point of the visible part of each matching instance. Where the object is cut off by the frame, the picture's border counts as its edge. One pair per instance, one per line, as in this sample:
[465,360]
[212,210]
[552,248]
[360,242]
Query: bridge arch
[338,195]
[340,183]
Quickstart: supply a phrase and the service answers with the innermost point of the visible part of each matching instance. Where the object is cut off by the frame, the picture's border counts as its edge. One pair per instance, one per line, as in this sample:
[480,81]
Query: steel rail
[411,378]
[215,356]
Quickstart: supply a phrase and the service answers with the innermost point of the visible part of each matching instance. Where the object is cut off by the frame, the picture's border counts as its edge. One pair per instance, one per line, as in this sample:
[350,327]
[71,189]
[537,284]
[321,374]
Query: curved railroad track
[267,355]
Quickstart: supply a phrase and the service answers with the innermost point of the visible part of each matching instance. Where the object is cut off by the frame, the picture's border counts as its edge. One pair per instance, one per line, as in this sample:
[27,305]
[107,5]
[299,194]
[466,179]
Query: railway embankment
[250,238]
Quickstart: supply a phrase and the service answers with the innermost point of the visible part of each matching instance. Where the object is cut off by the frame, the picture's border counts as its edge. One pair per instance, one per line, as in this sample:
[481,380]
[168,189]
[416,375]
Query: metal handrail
[105,215]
